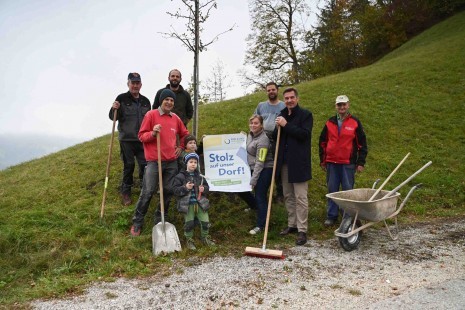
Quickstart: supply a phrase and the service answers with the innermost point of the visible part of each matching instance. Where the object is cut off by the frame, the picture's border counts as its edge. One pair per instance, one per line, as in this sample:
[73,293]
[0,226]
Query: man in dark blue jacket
[294,162]
[131,108]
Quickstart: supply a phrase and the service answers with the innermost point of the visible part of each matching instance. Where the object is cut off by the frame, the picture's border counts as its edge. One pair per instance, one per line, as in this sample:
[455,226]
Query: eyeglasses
[340,104]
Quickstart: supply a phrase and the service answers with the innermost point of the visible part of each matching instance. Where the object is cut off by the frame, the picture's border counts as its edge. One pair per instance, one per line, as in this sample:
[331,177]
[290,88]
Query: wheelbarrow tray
[356,201]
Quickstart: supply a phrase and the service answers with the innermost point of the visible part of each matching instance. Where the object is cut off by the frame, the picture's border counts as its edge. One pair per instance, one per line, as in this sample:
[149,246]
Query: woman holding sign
[260,161]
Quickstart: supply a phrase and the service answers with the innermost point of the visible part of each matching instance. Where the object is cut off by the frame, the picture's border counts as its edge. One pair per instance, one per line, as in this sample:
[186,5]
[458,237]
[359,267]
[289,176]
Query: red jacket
[349,146]
[171,125]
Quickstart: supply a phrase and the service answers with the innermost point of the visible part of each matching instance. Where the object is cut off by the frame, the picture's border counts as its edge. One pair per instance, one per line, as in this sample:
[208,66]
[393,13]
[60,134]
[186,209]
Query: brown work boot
[126,199]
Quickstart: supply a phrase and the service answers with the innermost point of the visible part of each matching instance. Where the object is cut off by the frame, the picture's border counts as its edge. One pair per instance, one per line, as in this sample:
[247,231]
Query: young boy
[190,146]
[190,188]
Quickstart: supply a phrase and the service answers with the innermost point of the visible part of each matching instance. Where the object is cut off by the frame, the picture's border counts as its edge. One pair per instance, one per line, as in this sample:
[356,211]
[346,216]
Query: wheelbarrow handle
[375,183]
[417,186]
[408,180]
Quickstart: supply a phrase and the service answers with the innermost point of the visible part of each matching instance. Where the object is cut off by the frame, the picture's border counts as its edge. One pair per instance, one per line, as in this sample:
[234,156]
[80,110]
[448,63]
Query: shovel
[164,235]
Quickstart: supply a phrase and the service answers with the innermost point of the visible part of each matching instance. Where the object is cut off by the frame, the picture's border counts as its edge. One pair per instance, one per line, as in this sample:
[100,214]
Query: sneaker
[126,199]
[329,222]
[255,230]
[135,231]
[190,244]
[208,242]
[301,238]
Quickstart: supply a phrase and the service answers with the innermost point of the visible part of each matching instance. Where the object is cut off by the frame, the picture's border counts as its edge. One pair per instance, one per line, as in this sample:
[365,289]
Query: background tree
[273,45]
[195,14]
[218,82]
[354,33]
[202,98]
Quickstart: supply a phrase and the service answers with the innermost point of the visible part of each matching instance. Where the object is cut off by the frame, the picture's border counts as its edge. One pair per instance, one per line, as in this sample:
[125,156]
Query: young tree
[195,14]
[217,83]
[276,36]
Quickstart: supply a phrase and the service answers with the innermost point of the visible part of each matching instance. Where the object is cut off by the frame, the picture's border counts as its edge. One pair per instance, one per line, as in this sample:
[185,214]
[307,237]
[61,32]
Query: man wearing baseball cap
[131,108]
[343,150]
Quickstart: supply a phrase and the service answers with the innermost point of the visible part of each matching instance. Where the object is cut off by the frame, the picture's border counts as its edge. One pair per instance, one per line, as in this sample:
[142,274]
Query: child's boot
[190,244]
[207,241]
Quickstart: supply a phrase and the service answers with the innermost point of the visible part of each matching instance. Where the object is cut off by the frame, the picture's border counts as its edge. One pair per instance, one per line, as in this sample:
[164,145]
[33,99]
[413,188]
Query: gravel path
[425,266]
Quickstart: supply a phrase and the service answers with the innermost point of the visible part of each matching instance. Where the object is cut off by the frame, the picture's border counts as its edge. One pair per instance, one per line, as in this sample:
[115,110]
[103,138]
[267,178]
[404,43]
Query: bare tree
[195,14]
[217,83]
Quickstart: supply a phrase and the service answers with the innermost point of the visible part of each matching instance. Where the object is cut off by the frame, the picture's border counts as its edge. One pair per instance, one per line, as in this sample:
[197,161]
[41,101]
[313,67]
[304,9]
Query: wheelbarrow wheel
[352,242]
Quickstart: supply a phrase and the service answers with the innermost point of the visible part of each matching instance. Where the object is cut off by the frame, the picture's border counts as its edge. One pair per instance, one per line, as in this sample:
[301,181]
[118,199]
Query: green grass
[413,100]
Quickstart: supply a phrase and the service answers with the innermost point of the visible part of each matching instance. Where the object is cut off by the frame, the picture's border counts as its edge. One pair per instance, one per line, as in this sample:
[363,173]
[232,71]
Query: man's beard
[174,84]
[272,96]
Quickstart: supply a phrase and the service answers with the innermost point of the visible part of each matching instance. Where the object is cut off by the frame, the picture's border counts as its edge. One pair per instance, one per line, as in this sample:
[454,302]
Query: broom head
[259,252]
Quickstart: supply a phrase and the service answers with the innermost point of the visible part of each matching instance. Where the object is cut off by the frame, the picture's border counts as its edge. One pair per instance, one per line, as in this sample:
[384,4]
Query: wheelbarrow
[370,205]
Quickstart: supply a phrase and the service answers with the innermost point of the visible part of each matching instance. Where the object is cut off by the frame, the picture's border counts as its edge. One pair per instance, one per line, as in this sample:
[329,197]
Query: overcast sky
[64,62]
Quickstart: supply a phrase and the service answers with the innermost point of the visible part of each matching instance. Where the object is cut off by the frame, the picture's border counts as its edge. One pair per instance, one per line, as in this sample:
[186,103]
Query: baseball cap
[342,98]
[134,77]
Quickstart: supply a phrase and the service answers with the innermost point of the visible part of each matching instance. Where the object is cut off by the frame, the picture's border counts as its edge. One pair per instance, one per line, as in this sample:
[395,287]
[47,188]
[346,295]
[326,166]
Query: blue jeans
[338,175]
[150,186]
[261,190]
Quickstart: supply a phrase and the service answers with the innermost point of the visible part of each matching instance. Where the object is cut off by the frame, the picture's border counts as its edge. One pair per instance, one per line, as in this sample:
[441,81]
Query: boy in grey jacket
[190,188]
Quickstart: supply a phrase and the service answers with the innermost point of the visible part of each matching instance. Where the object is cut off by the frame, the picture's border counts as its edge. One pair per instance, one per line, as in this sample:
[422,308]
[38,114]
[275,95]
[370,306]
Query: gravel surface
[423,269]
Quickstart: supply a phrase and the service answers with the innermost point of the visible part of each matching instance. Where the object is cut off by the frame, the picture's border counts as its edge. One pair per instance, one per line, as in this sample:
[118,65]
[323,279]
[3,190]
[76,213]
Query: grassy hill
[413,100]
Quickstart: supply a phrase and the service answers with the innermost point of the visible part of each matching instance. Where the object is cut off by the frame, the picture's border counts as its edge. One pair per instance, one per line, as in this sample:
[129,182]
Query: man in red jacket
[159,121]
[343,150]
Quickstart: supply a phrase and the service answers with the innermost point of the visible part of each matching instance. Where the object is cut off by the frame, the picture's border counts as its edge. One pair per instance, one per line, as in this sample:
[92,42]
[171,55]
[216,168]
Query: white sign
[225,160]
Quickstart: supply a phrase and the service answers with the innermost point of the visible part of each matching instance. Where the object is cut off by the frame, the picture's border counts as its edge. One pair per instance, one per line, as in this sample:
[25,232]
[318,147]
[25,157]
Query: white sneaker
[255,231]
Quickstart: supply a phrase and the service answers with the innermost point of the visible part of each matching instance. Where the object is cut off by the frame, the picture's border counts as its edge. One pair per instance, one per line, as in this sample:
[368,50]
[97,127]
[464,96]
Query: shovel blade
[165,239]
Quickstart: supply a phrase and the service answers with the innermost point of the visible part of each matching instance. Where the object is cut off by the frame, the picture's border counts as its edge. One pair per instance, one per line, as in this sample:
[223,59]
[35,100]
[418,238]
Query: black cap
[134,77]
[165,94]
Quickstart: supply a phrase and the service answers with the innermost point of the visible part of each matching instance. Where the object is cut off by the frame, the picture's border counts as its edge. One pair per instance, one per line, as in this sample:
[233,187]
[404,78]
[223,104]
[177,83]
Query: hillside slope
[413,100]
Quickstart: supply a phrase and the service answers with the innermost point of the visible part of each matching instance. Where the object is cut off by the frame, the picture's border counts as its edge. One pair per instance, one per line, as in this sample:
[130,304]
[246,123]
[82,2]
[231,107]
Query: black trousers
[131,151]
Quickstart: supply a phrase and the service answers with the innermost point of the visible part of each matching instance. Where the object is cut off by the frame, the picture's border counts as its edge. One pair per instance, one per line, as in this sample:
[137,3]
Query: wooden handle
[160,181]
[270,198]
[392,173]
[107,174]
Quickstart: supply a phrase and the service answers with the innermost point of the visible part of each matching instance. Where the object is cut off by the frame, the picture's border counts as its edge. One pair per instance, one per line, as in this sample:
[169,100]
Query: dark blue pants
[338,175]
[261,191]
[150,186]
[249,199]
[128,151]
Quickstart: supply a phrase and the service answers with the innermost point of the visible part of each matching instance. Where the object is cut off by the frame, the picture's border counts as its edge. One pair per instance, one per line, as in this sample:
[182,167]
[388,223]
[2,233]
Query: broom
[263,252]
